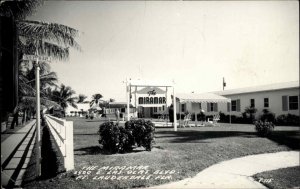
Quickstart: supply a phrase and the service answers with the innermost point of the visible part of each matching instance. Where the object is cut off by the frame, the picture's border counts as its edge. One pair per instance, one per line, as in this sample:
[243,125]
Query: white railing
[62,132]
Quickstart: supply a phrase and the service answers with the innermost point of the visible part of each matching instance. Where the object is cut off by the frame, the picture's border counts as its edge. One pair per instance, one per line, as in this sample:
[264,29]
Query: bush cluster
[267,116]
[142,132]
[264,128]
[288,119]
[115,138]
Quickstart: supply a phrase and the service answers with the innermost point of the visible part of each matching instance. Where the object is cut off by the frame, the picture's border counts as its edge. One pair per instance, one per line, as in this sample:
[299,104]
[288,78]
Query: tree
[251,111]
[81,98]
[64,97]
[112,100]
[96,99]
[35,37]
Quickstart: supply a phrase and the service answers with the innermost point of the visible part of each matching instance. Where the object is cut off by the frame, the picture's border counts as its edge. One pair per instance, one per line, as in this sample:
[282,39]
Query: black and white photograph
[107,94]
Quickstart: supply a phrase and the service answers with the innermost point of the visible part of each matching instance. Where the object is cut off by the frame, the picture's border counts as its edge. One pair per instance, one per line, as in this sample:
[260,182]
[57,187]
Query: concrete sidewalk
[15,154]
[236,173]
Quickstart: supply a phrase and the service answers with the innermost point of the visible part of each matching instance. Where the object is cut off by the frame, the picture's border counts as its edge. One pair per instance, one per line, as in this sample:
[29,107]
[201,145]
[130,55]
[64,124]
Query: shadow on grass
[287,138]
[100,120]
[194,136]
[91,150]
[94,150]
[290,139]
[86,134]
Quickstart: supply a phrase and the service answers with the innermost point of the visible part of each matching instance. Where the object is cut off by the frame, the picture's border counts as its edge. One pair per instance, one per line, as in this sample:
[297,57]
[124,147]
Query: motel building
[280,98]
[82,108]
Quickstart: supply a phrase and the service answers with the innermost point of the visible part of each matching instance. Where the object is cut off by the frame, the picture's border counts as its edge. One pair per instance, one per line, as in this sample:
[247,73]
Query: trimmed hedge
[115,138]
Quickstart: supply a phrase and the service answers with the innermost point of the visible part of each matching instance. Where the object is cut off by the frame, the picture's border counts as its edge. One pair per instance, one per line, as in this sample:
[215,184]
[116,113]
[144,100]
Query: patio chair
[186,120]
[216,118]
[214,121]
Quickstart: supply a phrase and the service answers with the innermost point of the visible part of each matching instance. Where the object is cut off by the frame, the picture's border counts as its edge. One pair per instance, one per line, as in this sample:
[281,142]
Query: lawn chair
[186,120]
[216,118]
[214,121]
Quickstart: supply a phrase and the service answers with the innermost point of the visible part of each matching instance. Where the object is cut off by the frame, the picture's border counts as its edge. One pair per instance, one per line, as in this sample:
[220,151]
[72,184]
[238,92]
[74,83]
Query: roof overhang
[203,97]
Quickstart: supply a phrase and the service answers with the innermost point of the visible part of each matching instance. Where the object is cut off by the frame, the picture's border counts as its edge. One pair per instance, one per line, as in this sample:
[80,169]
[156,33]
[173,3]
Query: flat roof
[260,88]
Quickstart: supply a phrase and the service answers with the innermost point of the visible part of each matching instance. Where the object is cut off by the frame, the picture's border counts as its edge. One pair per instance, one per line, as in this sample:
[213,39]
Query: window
[266,102]
[211,107]
[163,108]
[159,108]
[182,107]
[233,105]
[155,109]
[252,103]
[293,102]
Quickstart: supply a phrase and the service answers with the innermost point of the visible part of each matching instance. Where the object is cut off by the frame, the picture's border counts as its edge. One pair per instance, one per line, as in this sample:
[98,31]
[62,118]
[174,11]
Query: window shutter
[238,105]
[208,107]
[228,106]
[215,107]
[284,103]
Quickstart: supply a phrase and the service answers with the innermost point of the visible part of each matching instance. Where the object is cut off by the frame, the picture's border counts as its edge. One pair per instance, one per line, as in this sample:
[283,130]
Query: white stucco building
[279,98]
[81,107]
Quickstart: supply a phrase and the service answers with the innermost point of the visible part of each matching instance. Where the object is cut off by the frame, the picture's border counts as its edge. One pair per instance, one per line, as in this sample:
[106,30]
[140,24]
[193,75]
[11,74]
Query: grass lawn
[187,151]
[280,178]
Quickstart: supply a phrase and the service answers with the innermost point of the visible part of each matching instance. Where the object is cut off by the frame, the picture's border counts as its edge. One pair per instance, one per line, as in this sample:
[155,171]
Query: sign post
[174,106]
[38,106]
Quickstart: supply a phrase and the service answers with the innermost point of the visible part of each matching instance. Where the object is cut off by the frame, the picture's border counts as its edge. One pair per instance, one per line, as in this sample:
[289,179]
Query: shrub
[142,131]
[289,119]
[264,128]
[267,116]
[251,111]
[109,136]
[126,140]
[115,138]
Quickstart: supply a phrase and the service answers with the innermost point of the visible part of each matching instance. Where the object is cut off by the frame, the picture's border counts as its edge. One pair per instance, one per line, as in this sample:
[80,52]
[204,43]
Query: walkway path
[15,155]
[236,173]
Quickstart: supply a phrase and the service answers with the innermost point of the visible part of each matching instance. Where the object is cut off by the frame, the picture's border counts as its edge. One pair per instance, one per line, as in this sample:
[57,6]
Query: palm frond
[81,98]
[19,9]
[52,50]
[55,51]
[60,34]
[30,101]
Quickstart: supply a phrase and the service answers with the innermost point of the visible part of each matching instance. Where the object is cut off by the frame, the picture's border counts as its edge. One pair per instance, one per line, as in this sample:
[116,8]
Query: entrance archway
[149,100]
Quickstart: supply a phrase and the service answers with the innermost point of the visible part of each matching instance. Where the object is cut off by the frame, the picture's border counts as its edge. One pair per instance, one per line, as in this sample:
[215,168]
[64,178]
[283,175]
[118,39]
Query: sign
[152,92]
[35,57]
[152,100]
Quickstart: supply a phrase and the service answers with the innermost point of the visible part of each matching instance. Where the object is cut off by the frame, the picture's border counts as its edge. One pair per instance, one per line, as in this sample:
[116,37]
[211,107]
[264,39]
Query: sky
[194,43]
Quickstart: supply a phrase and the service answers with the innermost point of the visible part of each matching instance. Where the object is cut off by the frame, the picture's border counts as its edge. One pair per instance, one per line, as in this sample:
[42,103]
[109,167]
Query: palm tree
[81,98]
[64,97]
[96,99]
[40,38]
